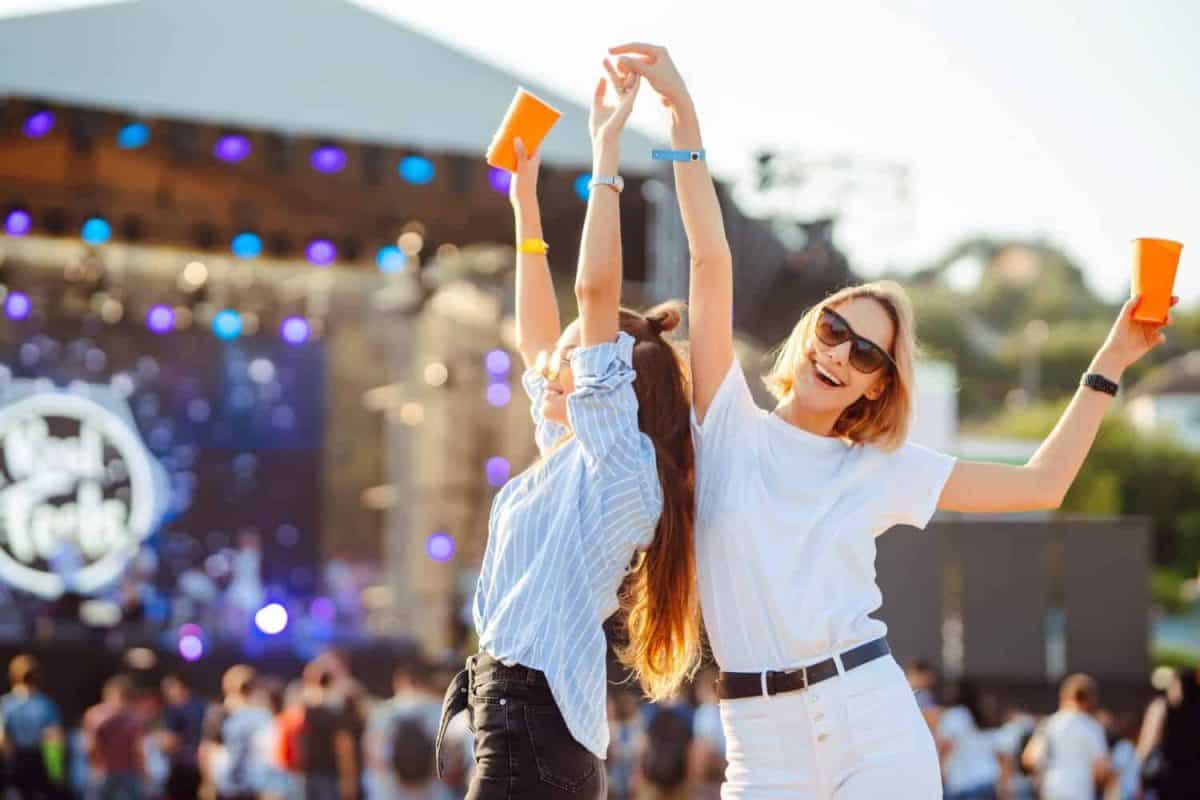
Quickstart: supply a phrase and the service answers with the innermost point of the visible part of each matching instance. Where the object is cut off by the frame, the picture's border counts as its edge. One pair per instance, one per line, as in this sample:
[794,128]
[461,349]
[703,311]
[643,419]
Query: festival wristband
[535,246]
[677,155]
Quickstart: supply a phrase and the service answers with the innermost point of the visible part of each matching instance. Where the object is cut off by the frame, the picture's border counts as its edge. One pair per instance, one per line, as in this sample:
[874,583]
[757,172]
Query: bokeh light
[17,305]
[96,231]
[391,259]
[499,179]
[18,222]
[328,159]
[160,319]
[323,609]
[321,252]
[498,363]
[271,619]
[295,330]
[38,124]
[583,185]
[191,647]
[499,395]
[497,470]
[133,136]
[227,324]
[417,169]
[440,546]
[232,148]
[246,245]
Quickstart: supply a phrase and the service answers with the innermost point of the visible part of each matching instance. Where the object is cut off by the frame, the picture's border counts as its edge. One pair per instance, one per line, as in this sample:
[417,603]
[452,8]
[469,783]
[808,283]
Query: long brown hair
[659,597]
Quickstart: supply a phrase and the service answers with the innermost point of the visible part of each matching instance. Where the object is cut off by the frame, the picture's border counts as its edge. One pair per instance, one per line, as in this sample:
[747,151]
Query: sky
[1074,121]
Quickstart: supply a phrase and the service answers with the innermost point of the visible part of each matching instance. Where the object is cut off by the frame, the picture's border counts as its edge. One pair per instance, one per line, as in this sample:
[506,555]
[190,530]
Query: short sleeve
[721,436]
[909,491]
[732,404]
[545,433]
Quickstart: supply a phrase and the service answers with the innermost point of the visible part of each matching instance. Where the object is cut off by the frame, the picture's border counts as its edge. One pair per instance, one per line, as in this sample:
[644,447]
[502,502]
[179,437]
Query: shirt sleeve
[721,437]
[603,409]
[545,432]
[909,489]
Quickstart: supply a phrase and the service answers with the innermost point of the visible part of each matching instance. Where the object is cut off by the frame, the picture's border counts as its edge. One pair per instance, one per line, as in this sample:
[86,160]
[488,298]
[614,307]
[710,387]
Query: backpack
[412,752]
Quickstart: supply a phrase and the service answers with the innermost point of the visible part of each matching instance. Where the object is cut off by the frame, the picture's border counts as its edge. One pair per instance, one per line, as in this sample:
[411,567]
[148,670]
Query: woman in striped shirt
[613,484]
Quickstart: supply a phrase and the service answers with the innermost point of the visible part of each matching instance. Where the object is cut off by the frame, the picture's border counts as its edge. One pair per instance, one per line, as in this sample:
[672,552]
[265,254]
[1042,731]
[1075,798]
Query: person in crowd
[624,741]
[789,502]
[1168,744]
[1121,731]
[329,756]
[602,521]
[229,759]
[182,729]
[970,769]
[1009,740]
[708,738]
[663,769]
[113,738]
[31,737]
[400,737]
[1069,750]
[923,679]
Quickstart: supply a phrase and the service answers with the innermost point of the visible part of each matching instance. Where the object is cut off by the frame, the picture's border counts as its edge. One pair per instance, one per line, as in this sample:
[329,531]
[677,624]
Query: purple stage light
[160,319]
[17,305]
[18,222]
[328,159]
[498,363]
[497,470]
[498,395]
[499,179]
[232,148]
[39,124]
[295,330]
[323,609]
[321,252]
[191,647]
[440,546]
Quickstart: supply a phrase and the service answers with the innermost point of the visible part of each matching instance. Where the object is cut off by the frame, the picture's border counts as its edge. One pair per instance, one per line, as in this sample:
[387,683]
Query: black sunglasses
[865,355]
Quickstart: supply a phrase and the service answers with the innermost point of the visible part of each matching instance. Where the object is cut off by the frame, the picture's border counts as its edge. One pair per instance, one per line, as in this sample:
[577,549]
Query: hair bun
[665,318]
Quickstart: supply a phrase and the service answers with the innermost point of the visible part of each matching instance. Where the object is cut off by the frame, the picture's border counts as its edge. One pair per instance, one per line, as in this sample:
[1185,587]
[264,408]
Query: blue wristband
[677,155]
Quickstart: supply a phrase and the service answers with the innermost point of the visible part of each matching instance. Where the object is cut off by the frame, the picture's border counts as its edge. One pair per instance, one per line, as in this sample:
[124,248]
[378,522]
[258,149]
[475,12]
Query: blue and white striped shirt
[563,533]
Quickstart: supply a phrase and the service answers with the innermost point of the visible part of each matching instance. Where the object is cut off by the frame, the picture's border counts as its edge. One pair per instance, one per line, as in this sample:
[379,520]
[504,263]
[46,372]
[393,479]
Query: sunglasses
[865,355]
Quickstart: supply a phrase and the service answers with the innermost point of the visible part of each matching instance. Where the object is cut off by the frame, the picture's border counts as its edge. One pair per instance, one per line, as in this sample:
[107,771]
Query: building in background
[1168,401]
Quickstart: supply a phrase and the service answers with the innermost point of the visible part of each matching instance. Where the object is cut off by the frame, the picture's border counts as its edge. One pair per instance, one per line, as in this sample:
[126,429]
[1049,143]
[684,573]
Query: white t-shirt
[972,763]
[1072,743]
[786,522]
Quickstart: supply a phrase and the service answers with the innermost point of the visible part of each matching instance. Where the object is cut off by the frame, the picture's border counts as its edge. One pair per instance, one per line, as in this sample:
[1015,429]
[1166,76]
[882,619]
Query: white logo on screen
[88,493]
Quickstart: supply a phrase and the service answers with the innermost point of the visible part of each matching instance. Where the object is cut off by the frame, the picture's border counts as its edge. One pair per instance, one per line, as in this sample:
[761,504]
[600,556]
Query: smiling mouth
[825,377]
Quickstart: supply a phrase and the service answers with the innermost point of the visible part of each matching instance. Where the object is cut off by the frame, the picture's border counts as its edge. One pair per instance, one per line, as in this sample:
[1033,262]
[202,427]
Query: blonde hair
[883,422]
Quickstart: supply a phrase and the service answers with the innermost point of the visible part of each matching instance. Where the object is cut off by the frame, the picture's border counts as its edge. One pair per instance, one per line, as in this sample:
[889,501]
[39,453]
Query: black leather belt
[736,685]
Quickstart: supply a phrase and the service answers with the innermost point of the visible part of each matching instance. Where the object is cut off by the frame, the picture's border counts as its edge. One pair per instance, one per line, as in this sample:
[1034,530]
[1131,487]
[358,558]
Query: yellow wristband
[535,246]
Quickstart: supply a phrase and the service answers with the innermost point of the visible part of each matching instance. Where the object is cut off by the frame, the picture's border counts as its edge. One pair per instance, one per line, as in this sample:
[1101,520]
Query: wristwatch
[615,181]
[1100,383]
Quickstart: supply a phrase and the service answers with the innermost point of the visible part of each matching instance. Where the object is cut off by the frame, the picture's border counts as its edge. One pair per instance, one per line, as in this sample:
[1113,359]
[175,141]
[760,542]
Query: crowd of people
[322,737]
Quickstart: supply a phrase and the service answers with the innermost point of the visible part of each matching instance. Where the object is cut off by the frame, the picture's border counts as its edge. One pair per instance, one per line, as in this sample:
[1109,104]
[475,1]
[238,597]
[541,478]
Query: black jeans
[523,749]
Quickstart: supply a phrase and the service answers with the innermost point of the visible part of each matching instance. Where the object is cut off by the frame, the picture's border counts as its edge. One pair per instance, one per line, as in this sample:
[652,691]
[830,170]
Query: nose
[841,353]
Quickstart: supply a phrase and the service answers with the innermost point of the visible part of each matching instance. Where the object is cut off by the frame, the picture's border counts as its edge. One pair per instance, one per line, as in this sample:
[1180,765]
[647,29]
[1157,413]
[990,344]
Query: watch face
[695,156]
[619,183]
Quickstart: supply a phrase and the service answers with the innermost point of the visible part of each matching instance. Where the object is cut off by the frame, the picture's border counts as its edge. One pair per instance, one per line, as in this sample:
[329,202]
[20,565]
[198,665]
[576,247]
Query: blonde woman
[790,500]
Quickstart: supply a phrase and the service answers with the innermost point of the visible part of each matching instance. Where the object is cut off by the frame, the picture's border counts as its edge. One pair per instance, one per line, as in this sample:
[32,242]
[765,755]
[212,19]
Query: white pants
[859,736]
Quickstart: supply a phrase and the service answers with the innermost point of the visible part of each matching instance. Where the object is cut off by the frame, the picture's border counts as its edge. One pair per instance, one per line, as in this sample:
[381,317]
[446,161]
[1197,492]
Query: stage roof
[325,68]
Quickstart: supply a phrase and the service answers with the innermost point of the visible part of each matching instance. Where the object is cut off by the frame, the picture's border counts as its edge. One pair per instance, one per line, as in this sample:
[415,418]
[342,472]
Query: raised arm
[1042,483]
[598,279]
[711,295]
[538,324]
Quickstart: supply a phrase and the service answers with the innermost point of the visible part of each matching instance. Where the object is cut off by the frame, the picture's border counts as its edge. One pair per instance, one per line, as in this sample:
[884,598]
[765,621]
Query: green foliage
[1165,586]
[1175,657]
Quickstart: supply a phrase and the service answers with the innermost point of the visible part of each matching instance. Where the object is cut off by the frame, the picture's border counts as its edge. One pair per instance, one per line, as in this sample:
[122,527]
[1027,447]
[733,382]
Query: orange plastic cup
[1155,262]
[529,118]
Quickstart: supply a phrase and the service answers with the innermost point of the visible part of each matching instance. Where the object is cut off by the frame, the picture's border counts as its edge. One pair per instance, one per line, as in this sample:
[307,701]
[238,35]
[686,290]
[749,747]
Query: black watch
[1100,383]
